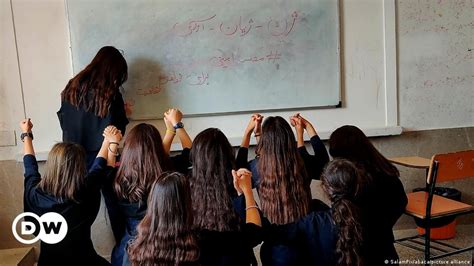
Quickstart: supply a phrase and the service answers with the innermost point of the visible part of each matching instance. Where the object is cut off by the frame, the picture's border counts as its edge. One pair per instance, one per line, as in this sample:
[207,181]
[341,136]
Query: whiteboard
[215,57]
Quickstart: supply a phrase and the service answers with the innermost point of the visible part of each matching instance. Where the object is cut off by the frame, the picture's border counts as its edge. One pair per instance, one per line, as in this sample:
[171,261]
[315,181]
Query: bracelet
[112,142]
[114,153]
[251,207]
[256,135]
[171,131]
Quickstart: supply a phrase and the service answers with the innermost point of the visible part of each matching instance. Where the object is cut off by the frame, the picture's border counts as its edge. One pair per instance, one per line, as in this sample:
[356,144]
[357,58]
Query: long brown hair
[164,236]
[340,183]
[349,142]
[212,189]
[143,160]
[65,171]
[283,193]
[94,87]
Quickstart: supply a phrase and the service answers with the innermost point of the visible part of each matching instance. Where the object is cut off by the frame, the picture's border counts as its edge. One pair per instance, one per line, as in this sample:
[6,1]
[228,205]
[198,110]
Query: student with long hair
[282,172]
[69,189]
[340,183]
[382,198]
[280,140]
[165,235]
[224,236]
[327,236]
[90,102]
[143,160]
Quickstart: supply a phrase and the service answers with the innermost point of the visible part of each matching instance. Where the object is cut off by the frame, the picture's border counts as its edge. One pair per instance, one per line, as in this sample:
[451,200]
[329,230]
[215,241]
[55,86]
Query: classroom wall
[43,46]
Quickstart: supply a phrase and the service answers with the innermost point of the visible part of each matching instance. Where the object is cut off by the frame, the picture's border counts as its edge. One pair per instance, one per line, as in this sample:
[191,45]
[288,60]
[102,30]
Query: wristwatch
[26,134]
[178,125]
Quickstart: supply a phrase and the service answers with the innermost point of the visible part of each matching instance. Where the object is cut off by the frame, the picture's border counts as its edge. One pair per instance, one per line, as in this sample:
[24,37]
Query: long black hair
[212,189]
[284,196]
[349,142]
[340,183]
[165,235]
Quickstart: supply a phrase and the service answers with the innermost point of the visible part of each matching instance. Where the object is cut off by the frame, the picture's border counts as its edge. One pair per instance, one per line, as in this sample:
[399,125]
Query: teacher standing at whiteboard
[90,102]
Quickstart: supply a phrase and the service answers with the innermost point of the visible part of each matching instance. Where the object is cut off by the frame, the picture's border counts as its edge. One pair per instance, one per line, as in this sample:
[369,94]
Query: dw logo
[50,228]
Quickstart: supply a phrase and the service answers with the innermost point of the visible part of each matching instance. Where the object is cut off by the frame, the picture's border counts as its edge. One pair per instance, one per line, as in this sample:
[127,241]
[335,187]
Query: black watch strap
[26,134]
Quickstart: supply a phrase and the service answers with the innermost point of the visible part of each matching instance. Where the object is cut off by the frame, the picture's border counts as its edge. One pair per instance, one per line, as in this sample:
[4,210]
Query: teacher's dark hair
[340,181]
[95,86]
[164,236]
[143,160]
[283,193]
[349,142]
[211,181]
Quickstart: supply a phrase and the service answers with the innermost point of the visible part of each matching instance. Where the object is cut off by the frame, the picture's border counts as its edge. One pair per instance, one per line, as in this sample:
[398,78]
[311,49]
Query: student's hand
[236,182]
[305,122]
[26,125]
[258,124]
[168,124]
[112,134]
[173,115]
[307,126]
[297,122]
[254,123]
[242,181]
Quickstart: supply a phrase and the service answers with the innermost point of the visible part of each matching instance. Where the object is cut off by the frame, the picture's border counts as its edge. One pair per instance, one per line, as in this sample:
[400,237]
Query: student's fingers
[242,171]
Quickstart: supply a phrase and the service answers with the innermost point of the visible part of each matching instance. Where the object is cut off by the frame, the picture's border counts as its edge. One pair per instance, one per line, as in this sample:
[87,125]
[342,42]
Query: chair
[429,207]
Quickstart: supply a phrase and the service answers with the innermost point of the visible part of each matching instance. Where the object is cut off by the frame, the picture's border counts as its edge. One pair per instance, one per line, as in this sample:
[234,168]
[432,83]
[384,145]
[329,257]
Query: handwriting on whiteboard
[173,77]
[225,61]
[241,27]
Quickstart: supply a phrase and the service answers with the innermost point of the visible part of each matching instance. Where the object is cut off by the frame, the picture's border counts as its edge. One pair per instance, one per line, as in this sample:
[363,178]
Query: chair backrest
[452,166]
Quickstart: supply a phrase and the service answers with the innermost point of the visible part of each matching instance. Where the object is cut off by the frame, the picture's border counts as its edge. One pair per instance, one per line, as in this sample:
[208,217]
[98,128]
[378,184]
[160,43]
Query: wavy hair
[340,183]
[349,142]
[164,236]
[283,194]
[99,81]
[65,171]
[143,160]
[211,181]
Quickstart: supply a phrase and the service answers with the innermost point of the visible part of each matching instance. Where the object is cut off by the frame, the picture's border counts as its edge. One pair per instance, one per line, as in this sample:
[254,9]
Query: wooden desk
[17,256]
[413,161]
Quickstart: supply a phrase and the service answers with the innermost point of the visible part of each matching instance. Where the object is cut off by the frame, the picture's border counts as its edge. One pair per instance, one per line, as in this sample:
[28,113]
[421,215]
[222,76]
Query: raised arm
[314,163]
[32,175]
[169,135]
[174,116]
[243,185]
[109,148]
[27,137]
[297,123]
[255,126]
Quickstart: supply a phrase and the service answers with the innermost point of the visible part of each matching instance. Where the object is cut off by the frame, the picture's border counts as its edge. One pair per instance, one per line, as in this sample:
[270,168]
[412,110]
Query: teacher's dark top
[86,128]
[76,248]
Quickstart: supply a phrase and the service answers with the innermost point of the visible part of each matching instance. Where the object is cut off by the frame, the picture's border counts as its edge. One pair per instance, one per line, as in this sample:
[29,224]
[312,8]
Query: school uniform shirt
[133,212]
[382,201]
[311,240]
[76,248]
[288,252]
[86,128]
[231,248]
[314,164]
